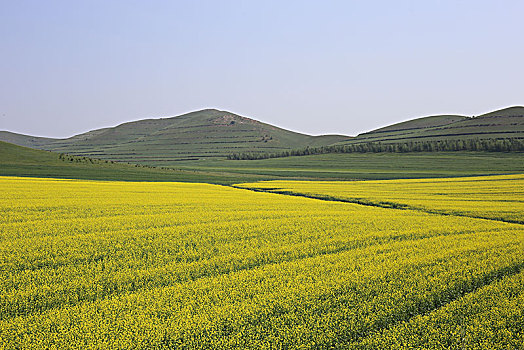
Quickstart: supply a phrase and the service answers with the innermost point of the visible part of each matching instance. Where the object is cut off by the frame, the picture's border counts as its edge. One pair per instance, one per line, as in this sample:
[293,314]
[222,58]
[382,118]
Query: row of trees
[486,145]
[79,159]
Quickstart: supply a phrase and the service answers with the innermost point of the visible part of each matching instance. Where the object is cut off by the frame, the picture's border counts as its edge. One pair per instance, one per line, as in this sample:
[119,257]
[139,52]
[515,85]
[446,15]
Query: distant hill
[206,134]
[212,134]
[421,123]
[22,161]
[504,123]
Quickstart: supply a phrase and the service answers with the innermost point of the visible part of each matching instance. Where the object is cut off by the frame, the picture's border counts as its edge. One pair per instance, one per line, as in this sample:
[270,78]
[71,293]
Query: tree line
[486,145]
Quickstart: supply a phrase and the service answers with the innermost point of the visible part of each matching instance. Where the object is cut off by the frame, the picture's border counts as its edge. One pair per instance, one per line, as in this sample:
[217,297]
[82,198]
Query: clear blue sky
[311,66]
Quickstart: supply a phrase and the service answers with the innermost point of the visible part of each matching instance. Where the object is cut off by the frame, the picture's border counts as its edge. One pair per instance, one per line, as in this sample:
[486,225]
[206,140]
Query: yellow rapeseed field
[494,197]
[136,265]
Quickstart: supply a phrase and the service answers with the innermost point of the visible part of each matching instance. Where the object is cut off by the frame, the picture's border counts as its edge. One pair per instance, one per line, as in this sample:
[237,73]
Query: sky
[316,67]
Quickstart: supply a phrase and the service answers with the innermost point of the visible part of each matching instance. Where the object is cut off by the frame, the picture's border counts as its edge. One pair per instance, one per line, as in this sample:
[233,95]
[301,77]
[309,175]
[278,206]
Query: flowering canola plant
[498,197]
[138,265]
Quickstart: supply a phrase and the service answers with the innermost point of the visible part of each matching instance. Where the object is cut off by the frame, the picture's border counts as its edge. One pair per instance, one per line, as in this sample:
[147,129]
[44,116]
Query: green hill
[207,134]
[24,140]
[505,123]
[22,161]
[421,123]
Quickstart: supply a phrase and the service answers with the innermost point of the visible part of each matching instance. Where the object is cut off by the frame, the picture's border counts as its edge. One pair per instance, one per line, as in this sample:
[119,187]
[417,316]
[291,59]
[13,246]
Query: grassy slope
[24,140]
[212,134]
[372,166]
[504,123]
[422,123]
[197,135]
[22,161]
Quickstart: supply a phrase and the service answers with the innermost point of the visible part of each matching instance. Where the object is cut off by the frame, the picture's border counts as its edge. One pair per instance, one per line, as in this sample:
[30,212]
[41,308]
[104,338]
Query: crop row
[87,264]
[491,197]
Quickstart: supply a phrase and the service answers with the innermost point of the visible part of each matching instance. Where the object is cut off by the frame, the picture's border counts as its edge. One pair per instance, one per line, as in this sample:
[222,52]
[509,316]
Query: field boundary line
[368,203]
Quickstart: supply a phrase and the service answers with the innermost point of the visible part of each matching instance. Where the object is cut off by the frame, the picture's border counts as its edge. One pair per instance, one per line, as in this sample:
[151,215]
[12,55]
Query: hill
[22,161]
[421,123]
[210,134]
[504,123]
[204,134]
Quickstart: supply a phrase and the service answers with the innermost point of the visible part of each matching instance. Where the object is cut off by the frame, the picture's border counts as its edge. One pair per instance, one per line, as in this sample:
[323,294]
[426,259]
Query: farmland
[22,161]
[110,264]
[491,197]
[254,175]
[369,166]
